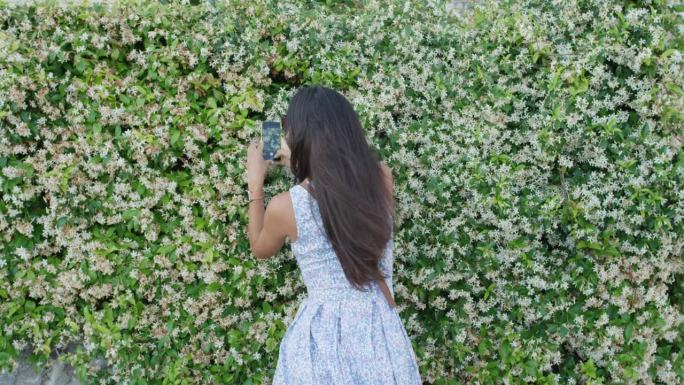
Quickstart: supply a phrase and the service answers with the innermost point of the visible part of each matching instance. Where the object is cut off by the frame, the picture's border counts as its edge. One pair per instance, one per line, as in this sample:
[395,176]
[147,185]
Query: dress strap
[298,206]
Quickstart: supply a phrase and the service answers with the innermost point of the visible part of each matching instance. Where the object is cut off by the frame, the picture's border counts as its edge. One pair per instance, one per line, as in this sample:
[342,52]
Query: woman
[339,221]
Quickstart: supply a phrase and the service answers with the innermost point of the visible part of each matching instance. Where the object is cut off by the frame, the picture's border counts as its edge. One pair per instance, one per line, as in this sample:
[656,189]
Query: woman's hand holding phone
[282,156]
[257,166]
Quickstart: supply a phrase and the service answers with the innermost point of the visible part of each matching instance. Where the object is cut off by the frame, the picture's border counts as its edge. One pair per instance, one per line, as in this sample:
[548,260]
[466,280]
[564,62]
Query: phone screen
[271,137]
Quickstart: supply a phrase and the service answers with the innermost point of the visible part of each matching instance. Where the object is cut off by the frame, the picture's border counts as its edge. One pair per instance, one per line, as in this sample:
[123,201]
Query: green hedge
[535,146]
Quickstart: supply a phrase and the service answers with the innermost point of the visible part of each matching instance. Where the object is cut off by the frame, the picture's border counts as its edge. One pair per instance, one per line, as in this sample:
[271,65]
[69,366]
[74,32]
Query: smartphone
[270,133]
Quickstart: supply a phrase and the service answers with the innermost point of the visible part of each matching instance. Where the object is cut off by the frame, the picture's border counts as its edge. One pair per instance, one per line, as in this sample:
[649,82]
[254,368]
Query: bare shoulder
[388,173]
[389,182]
[281,204]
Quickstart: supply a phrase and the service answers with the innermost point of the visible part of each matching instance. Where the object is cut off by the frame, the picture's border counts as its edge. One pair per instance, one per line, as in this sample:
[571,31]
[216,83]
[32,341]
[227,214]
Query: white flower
[292,45]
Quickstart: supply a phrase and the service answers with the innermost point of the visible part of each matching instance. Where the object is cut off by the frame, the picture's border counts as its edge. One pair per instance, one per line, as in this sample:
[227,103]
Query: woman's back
[320,267]
[340,334]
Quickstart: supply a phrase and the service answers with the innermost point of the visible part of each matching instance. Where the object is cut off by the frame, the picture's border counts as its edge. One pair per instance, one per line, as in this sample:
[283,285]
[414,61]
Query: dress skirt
[346,341]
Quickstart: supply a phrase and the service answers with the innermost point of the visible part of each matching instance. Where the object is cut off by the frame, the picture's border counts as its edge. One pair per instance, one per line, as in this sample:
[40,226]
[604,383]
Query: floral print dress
[340,335]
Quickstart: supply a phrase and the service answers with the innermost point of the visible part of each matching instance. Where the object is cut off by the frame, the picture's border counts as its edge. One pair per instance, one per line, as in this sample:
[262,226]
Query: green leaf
[130,213]
[79,64]
[629,329]
[675,88]
[505,351]
[175,135]
[211,102]
[266,307]
[166,249]
[531,368]
[482,347]
[29,306]
[589,369]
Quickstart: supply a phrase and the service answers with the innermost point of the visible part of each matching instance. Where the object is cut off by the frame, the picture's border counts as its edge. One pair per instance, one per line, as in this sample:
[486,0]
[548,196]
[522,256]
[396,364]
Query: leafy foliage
[536,153]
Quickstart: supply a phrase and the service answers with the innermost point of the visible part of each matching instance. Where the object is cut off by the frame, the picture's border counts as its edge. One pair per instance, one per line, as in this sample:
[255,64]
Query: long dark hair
[328,145]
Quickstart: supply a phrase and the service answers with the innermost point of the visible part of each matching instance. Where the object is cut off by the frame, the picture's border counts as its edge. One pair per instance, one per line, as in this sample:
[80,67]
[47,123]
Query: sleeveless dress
[340,335]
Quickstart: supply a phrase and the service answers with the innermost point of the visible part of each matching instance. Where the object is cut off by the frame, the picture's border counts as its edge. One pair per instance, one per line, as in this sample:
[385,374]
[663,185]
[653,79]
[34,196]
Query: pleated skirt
[346,341]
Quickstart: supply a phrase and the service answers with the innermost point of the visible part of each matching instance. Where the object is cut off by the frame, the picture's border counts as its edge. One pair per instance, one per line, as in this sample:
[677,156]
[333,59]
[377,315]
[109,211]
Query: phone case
[271,137]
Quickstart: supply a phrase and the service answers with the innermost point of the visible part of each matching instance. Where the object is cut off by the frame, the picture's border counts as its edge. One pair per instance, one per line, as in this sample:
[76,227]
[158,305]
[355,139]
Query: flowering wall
[536,153]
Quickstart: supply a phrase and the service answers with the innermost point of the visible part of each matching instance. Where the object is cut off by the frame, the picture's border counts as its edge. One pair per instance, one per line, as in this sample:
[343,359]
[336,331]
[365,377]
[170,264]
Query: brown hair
[328,145]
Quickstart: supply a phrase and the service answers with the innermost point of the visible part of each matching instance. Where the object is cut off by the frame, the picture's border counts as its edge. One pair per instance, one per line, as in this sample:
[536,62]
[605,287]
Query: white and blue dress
[340,335]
